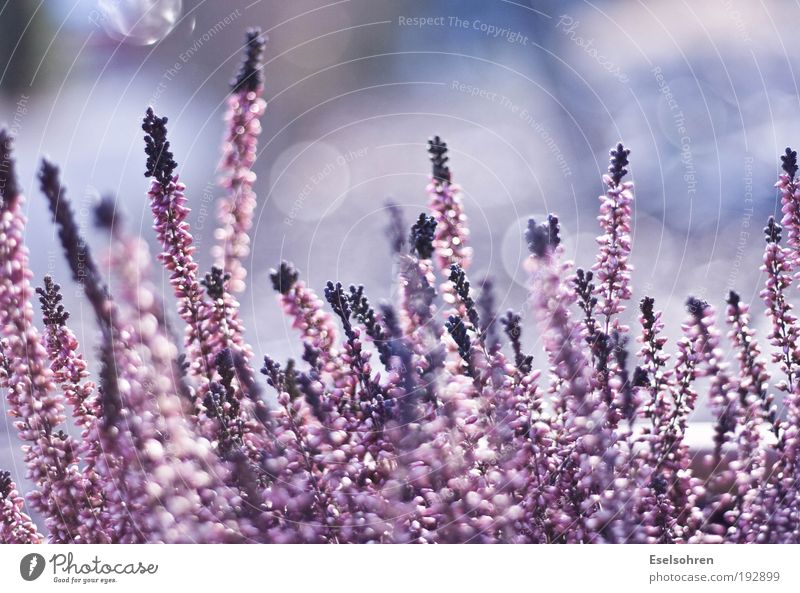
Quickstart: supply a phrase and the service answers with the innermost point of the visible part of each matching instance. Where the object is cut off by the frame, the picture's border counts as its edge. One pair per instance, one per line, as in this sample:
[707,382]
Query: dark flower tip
[250,78]
[734,299]
[511,324]
[160,163]
[696,307]
[554,230]
[284,277]
[421,236]
[585,291]
[105,212]
[224,362]
[9,190]
[215,282]
[50,181]
[646,306]
[773,231]
[543,238]
[659,484]
[438,151]
[5,484]
[334,294]
[789,162]
[458,331]
[640,378]
[272,370]
[618,162]
[50,297]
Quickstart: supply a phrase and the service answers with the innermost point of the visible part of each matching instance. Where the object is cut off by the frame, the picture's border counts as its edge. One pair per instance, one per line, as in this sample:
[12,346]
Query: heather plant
[421,420]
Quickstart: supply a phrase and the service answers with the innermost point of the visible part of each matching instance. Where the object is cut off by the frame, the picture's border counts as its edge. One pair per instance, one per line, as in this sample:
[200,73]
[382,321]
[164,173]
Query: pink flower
[612,268]
[15,526]
[235,210]
[445,203]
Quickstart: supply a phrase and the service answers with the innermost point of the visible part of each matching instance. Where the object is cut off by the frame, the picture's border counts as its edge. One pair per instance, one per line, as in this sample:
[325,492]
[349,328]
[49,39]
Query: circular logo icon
[31,566]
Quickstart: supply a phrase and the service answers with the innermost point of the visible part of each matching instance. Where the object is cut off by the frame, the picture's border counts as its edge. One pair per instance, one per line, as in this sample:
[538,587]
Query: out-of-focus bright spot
[307,179]
[140,22]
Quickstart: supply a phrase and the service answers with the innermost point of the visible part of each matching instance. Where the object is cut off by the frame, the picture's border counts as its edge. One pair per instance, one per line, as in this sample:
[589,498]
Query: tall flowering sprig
[654,362]
[416,281]
[129,260]
[422,345]
[139,302]
[781,499]
[754,403]
[37,408]
[120,399]
[168,205]
[226,340]
[445,202]
[783,503]
[587,302]
[306,310]
[70,372]
[15,526]
[369,392]
[701,331]
[612,267]
[225,328]
[790,203]
[243,119]
[551,300]
[590,449]
[784,333]
[754,378]
[672,479]
[76,251]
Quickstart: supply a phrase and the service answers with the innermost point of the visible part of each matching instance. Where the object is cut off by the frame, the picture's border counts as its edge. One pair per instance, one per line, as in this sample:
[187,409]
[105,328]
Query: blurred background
[529,95]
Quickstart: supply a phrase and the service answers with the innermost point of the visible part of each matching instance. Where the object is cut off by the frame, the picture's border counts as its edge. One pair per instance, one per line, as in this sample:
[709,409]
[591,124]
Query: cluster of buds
[393,425]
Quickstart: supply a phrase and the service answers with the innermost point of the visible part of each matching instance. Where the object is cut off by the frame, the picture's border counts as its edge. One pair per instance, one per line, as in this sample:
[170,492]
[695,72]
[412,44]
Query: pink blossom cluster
[393,424]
